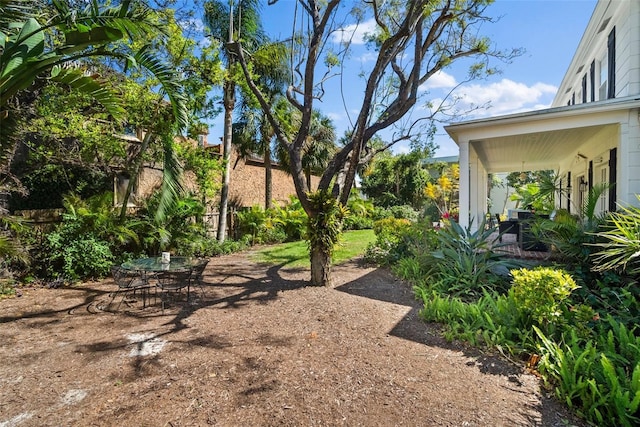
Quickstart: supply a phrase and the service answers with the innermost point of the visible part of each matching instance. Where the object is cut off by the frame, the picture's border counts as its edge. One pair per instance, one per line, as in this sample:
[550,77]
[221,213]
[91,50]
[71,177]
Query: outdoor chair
[508,227]
[128,282]
[172,283]
[197,273]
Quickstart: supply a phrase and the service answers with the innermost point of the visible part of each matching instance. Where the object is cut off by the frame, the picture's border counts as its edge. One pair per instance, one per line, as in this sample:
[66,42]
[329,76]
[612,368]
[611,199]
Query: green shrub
[541,292]
[466,264]
[361,213]
[398,212]
[389,237]
[86,258]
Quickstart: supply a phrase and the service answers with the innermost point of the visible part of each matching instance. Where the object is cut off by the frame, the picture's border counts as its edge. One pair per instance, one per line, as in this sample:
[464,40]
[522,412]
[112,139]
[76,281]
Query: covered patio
[583,143]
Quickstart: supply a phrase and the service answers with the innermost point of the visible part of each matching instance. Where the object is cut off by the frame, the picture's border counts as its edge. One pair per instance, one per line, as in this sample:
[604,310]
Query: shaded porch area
[511,248]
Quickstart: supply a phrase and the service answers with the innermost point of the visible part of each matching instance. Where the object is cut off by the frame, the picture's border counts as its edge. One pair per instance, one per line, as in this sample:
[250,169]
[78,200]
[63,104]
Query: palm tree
[319,146]
[219,17]
[253,133]
[29,49]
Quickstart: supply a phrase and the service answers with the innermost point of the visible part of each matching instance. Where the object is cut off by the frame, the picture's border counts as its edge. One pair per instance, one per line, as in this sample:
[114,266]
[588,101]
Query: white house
[591,133]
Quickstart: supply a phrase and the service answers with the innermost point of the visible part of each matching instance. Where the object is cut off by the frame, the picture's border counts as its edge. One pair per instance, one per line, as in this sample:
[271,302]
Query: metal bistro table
[172,276]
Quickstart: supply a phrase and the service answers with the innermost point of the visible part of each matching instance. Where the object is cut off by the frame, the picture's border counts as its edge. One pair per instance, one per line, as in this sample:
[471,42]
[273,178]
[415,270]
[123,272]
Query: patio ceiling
[537,150]
[542,139]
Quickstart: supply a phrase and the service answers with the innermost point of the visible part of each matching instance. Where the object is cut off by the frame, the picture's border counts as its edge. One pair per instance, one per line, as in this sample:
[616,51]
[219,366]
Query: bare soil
[258,348]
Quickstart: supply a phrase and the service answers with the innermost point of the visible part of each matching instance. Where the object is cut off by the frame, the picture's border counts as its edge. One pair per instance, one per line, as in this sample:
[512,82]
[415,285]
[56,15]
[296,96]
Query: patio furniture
[508,227]
[128,282]
[172,283]
[197,273]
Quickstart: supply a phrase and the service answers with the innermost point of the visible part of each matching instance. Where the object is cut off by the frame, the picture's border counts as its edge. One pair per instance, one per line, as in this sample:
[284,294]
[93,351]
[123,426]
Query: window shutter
[611,59]
[569,192]
[613,172]
[592,76]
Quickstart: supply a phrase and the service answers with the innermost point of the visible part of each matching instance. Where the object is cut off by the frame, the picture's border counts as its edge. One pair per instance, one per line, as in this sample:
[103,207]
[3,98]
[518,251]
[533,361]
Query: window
[584,88]
[604,73]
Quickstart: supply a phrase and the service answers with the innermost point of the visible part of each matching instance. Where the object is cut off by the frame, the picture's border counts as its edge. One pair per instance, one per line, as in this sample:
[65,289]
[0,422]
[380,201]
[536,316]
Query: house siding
[624,17]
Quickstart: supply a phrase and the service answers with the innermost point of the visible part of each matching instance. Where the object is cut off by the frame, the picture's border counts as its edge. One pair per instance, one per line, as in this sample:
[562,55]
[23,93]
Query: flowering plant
[444,192]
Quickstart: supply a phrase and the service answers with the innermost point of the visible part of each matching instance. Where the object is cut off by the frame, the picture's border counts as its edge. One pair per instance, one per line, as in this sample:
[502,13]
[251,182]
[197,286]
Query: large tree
[413,41]
[227,22]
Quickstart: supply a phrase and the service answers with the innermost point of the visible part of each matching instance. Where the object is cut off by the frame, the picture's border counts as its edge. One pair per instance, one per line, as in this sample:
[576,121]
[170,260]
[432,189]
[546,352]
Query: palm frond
[12,11]
[171,188]
[170,85]
[77,79]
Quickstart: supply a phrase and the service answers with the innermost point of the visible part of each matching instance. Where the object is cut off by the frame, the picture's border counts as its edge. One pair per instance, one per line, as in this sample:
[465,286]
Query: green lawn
[296,254]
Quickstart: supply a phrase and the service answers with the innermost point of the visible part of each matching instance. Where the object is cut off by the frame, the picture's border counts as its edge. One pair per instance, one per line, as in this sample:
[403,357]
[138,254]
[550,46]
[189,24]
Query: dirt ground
[258,348]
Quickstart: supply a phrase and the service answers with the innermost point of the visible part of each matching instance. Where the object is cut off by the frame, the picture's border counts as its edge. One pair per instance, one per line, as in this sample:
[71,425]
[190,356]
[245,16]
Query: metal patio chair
[172,283]
[197,275]
[128,282]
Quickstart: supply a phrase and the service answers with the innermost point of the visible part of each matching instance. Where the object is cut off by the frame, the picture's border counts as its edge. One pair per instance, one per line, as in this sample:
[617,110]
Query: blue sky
[549,31]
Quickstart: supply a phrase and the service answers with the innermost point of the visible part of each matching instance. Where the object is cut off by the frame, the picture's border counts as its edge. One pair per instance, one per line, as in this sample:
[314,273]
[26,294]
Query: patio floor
[513,249]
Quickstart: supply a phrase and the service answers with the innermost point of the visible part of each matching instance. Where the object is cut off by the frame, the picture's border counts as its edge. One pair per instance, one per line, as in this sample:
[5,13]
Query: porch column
[464,190]
[477,189]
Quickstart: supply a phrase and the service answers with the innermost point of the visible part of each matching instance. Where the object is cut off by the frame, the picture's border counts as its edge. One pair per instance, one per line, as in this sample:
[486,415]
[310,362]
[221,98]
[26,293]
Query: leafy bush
[275,225]
[541,292]
[361,213]
[466,263]
[290,223]
[389,237]
[398,212]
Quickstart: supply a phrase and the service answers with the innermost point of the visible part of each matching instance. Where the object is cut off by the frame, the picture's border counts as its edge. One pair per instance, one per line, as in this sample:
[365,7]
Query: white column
[464,190]
[477,189]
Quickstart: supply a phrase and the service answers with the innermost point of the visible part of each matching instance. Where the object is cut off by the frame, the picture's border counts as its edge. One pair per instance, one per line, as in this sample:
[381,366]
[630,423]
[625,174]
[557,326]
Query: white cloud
[358,32]
[336,117]
[439,80]
[368,57]
[506,96]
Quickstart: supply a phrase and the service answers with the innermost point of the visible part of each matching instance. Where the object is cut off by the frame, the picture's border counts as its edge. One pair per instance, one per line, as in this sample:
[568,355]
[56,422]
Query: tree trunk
[133,177]
[320,267]
[268,193]
[229,103]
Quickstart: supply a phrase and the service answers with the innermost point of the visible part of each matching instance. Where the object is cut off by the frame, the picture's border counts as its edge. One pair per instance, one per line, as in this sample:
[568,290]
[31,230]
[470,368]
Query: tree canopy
[412,42]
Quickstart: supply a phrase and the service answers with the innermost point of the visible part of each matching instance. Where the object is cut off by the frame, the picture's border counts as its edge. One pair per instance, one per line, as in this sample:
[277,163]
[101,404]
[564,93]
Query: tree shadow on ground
[380,284]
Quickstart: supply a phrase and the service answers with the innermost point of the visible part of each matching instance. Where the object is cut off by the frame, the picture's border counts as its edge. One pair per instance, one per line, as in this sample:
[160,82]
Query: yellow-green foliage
[541,291]
[390,226]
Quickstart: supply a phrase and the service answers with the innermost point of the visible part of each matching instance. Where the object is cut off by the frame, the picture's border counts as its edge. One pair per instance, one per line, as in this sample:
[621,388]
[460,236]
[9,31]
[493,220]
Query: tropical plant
[468,262]
[620,248]
[27,50]
[444,192]
[598,378]
[573,235]
[537,191]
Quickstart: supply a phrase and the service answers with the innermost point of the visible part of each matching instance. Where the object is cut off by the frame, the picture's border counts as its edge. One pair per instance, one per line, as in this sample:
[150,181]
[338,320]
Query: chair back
[125,279]
[174,280]
[198,270]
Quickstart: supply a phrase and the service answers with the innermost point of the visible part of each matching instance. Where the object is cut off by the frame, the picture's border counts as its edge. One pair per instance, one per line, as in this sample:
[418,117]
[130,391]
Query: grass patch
[296,254]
